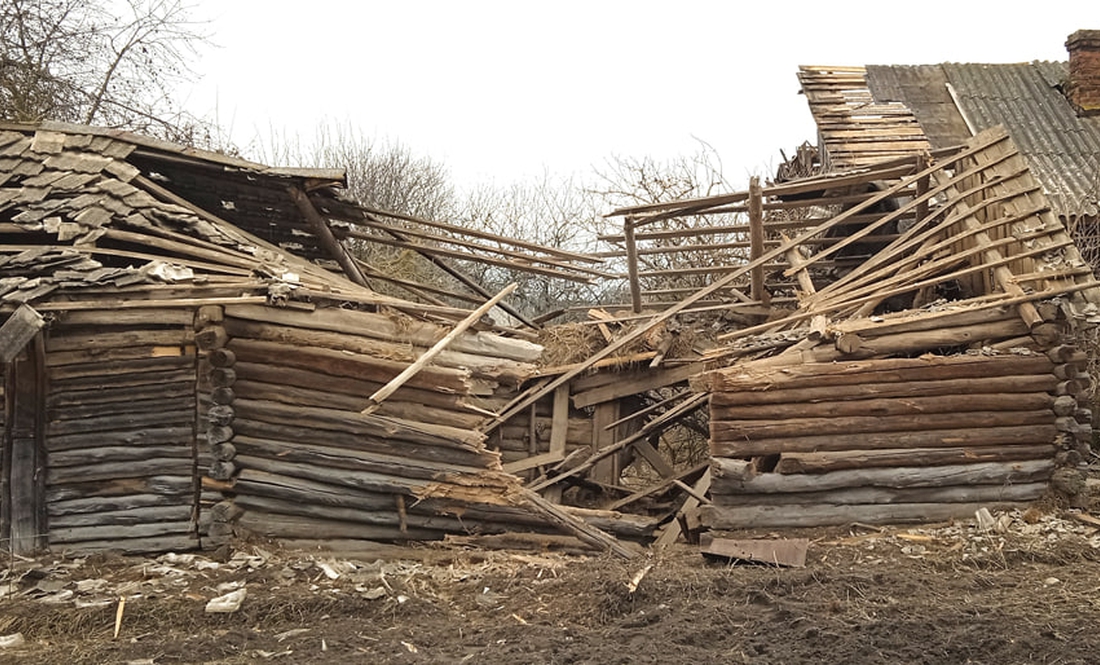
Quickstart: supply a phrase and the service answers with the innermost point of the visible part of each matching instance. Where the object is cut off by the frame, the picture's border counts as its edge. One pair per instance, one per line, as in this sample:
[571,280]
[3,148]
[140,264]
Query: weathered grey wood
[94,371]
[117,379]
[148,436]
[99,504]
[882,495]
[109,392]
[119,421]
[105,338]
[888,407]
[167,316]
[333,399]
[255,482]
[855,372]
[135,407]
[379,326]
[811,515]
[727,430]
[18,330]
[949,438]
[296,452]
[556,515]
[422,362]
[177,543]
[896,478]
[1001,384]
[118,487]
[271,525]
[102,454]
[449,454]
[493,367]
[118,533]
[113,354]
[222,357]
[129,516]
[352,365]
[356,423]
[111,470]
[820,462]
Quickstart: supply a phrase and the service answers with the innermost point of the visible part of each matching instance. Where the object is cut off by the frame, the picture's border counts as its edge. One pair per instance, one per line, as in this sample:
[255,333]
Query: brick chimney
[1083,86]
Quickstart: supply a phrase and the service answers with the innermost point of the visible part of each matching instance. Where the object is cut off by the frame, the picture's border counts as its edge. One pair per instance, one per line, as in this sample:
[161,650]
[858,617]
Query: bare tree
[113,64]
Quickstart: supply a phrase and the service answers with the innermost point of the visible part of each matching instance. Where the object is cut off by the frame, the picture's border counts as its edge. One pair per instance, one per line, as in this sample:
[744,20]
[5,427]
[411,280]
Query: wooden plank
[756,240]
[672,531]
[788,552]
[18,330]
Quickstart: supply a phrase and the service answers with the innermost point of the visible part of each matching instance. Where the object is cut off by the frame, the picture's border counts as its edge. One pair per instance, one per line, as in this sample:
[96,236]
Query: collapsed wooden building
[189,351]
[193,353]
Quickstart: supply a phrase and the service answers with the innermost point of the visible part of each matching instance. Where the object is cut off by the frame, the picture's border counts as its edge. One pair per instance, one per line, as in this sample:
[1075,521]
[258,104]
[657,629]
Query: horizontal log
[353,478]
[1030,383]
[728,430]
[493,367]
[130,516]
[113,339]
[356,366]
[118,387]
[117,370]
[1028,471]
[273,525]
[372,425]
[103,454]
[387,516]
[299,452]
[125,502]
[119,354]
[885,495]
[111,470]
[445,454]
[813,515]
[981,436]
[122,421]
[889,407]
[746,377]
[161,402]
[393,407]
[254,482]
[821,462]
[167,316]
[358,389]
[148,436]
[172,543]
[380,326]
[121,487]
[118,533]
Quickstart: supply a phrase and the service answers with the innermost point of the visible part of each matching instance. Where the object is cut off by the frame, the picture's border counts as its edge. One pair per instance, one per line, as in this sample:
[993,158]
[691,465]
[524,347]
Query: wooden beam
[324,234]
[632,265]
[756,239]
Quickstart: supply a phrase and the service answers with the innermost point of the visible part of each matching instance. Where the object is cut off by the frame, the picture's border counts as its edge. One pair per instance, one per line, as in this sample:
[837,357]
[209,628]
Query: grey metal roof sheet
[1062,148]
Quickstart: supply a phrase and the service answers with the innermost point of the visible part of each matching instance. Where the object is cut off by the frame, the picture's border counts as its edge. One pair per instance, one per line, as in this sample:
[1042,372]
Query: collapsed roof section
[965,227]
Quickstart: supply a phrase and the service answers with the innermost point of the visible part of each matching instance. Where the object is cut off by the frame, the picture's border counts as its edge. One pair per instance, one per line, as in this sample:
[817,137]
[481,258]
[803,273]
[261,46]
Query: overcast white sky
[501,91]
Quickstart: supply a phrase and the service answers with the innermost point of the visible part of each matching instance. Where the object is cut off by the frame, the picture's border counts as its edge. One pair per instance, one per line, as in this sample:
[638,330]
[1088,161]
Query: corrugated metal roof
[1062,149]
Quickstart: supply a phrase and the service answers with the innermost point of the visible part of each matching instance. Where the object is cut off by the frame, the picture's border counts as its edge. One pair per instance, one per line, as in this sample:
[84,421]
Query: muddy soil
[1025,592]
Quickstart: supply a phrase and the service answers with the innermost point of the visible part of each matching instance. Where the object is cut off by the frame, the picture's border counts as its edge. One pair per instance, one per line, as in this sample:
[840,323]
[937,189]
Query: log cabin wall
[299,460]
[120,432]
[893,440]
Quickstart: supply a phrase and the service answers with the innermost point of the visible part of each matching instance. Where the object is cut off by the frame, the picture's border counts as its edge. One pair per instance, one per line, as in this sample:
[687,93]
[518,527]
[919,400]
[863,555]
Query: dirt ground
[1025,591]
